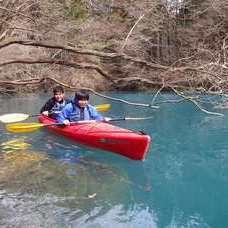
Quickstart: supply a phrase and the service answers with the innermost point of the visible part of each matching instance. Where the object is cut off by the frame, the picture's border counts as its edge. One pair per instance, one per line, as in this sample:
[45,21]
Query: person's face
[82,103]
[58,96]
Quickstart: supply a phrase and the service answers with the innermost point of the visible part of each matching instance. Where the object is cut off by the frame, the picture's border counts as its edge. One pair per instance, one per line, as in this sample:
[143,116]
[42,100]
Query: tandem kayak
[104,136]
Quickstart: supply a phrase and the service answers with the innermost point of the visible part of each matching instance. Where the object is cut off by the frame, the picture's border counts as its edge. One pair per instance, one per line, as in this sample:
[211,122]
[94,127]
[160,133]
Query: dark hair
[82,95]
[58,89]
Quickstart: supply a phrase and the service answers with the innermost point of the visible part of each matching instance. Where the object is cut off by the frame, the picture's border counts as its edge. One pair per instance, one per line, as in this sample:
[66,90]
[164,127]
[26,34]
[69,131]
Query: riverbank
[119,46]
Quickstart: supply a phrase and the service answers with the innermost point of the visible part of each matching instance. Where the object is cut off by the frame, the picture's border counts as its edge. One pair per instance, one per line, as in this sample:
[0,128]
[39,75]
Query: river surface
[49,181]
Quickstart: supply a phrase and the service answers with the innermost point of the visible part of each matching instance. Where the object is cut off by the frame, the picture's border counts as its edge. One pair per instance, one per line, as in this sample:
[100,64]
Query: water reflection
[60,184]
[17,151]
[46,189]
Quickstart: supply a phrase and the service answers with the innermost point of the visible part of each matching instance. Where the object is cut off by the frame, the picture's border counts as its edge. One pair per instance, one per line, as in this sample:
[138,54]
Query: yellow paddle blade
[23,127]
[102,107]
[138,118]
[13,117]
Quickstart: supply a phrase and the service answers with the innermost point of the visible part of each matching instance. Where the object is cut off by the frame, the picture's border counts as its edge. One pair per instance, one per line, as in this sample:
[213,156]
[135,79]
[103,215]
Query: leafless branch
[59,62]
[40,80]
[53,45]
[196,104]
[128,35]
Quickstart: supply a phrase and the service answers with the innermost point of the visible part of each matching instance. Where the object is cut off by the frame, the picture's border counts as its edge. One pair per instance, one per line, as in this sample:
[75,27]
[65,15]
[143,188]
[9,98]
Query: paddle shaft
[16,117]
[23,127]
[130,118]
[90,121]
[117,119]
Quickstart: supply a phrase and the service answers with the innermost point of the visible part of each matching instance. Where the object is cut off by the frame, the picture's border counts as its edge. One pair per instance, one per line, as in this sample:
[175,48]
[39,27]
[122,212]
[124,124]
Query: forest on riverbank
[114,45]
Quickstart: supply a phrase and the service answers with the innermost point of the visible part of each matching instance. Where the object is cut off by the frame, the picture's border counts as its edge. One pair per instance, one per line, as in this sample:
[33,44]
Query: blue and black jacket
[73,112]
[54,107]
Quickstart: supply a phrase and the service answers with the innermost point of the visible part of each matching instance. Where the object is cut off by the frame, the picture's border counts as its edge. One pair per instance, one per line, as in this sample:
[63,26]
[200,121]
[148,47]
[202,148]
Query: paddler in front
[79,109]
[54,105]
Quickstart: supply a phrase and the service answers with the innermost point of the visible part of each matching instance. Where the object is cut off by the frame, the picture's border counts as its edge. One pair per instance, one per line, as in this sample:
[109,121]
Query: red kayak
[105,136]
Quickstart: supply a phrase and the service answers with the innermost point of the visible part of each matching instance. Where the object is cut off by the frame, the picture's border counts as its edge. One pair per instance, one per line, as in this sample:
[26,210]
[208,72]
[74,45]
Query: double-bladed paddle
[16,117]
[26,127]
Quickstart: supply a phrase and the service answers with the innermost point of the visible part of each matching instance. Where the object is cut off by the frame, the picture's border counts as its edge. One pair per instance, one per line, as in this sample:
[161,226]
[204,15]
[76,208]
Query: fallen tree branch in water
[155,96]
[171,84]
[37,81]
[185,98]
[104,96]
[192,99]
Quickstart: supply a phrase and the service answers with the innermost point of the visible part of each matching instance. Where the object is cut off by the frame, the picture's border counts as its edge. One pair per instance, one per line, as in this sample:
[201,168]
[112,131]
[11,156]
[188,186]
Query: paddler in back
[55,105]
[79,109]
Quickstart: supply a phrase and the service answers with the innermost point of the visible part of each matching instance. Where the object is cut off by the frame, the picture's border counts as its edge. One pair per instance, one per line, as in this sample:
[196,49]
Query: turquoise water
[48,181]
